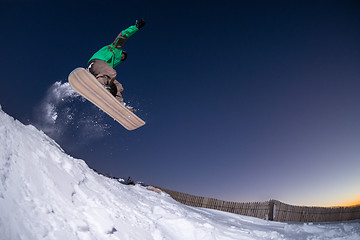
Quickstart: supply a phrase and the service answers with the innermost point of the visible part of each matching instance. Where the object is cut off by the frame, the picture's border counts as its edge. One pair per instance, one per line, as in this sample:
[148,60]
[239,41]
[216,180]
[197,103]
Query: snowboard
[84,83]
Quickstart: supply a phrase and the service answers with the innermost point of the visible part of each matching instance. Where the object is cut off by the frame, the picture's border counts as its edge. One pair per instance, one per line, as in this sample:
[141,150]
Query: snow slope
[47,194]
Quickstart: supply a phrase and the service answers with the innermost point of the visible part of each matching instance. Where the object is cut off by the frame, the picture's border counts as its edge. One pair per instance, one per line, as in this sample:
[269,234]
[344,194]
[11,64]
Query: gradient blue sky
[244,100]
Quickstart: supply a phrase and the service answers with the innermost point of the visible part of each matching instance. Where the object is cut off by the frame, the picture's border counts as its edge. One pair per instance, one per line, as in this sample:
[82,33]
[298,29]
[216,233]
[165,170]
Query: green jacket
[112,53]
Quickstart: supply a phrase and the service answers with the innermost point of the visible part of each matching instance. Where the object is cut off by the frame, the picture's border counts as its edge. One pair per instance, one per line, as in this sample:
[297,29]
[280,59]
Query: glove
[140,24]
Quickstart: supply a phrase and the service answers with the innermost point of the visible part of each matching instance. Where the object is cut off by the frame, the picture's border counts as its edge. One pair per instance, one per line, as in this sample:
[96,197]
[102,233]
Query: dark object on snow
[129,181]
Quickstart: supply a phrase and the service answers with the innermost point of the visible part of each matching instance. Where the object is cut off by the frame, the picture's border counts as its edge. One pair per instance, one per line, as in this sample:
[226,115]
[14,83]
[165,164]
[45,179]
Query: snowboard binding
[111,90]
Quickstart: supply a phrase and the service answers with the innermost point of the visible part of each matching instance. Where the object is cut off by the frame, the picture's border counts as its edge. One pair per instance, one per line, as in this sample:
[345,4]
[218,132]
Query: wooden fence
[270,210]
[254,209]
[287,213]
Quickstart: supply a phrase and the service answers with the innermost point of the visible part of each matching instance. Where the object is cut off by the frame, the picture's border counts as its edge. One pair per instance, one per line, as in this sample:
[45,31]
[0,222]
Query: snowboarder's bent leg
[119,92]
[102,71]
[106,76]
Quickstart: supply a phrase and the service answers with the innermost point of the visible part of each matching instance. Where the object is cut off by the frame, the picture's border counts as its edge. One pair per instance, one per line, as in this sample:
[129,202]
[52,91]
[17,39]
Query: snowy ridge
[47,194]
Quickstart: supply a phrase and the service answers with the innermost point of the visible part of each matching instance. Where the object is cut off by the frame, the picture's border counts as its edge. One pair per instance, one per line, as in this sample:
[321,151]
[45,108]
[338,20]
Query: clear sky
[244,100]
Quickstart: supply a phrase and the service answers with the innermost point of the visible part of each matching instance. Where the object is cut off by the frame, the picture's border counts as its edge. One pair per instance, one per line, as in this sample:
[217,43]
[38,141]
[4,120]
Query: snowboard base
[84,83]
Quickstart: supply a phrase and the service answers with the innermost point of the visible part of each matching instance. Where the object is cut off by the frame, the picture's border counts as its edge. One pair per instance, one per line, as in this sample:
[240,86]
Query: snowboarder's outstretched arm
[113,53]
[120,40]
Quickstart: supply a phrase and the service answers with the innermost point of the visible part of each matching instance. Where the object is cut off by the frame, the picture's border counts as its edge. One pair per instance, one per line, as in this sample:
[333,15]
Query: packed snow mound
[47,194]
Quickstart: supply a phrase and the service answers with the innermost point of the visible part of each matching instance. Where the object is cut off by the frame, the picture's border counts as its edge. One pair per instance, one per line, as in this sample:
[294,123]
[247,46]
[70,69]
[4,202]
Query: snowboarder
[103,62]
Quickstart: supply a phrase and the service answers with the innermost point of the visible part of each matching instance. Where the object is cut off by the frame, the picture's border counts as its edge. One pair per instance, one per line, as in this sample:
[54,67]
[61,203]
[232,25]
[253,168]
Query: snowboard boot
[108,88]
[111,90]
[131,109]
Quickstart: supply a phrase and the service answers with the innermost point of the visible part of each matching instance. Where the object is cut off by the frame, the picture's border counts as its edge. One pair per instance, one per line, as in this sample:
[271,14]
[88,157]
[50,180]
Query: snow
[61,110]
[47,194]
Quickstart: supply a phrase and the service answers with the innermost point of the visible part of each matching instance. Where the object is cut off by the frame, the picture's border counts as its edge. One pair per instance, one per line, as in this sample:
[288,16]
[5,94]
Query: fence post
[271,214]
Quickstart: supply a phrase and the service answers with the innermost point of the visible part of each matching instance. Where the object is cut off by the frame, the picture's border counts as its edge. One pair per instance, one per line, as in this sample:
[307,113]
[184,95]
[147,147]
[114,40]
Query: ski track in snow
[47,194]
